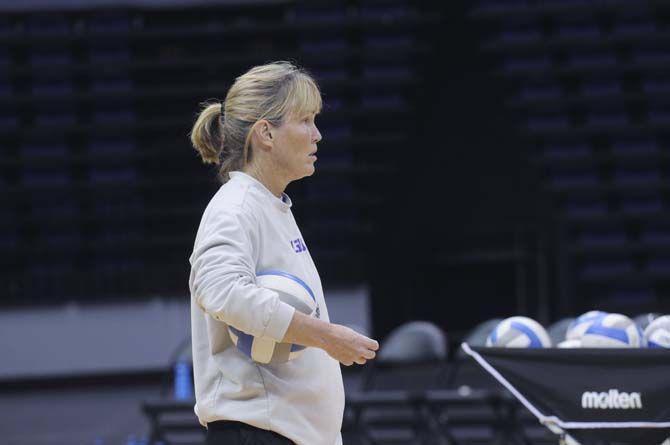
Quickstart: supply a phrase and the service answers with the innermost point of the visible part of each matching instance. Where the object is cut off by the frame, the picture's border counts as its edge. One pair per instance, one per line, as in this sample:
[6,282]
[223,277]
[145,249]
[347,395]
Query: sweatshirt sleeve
[223,278]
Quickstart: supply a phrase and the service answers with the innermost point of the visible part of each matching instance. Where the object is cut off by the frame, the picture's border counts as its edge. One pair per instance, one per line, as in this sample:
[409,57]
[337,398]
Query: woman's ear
[263,134]
[266,132]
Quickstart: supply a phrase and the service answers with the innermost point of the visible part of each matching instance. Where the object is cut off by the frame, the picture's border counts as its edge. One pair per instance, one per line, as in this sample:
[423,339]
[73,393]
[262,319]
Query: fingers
[370,343]
[369,355]
[373,345]
[367,352]
[362,359]
[353,347]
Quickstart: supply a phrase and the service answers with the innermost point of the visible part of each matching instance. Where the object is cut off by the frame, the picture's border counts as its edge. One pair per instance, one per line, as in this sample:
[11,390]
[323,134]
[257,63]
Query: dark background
[479,159]
[419,157]
[476,162]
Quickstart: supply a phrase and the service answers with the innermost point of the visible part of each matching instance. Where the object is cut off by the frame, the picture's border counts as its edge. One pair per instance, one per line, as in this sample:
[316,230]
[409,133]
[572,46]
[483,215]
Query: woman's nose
[317,135]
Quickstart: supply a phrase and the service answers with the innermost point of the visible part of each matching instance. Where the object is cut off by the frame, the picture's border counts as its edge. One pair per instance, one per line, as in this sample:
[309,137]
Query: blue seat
[113,175]
[659,116]
[602,237]
[109,54]
[40,176]
[336,131]
[641,205]
[606,268]
[633,295]
[525,34]
[109,84]
[6,25]
[111,146]
[6,86]
[636,27]
[395,10]
[330,73]
[52,87]
[513,64]
[658,264]
[114,234]
[635,146]
[308,12]
[324,45]
[387,101]
[655,85]
[387,72]
[602,87]
[608,118]
[585,207]
[126,202]
[651,56]
[9,237]
[331,187]
[550,91]
[567,150]
[63,116]
[70,238]
[114,115]
[573,178]
[593,59]
[629,176]
[53,57]
[108,21]
[51,23]
[8,120]
[44,149]
[579,30]
[547,122]
[388,41]
[655,236]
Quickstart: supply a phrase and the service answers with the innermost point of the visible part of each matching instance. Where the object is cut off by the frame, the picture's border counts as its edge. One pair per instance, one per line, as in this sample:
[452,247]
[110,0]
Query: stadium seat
[411,360]
[412,356]
[463,372]
[478,335]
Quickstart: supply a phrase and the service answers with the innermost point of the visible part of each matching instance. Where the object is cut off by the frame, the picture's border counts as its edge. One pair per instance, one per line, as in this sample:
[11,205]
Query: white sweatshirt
[245,229]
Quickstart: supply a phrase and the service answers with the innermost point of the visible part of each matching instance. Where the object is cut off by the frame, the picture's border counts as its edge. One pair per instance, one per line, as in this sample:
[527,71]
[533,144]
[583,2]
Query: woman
[263,137]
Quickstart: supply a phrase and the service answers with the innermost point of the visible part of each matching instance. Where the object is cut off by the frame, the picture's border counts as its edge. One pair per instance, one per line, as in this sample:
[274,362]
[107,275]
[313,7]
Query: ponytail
[207,133]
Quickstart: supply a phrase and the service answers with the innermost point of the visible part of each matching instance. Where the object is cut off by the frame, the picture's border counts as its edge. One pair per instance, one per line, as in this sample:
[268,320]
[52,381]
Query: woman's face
[294,146]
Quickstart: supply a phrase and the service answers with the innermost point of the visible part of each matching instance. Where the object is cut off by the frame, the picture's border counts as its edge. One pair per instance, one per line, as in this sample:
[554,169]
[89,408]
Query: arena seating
[101,187]
[588,86]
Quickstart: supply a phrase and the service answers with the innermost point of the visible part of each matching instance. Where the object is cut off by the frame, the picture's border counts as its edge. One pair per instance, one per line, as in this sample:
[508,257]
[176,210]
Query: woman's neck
[270,181]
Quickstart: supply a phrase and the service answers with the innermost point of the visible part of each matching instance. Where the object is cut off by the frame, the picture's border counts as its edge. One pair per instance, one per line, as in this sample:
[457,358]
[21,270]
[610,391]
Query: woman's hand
[348,346]
[340,342]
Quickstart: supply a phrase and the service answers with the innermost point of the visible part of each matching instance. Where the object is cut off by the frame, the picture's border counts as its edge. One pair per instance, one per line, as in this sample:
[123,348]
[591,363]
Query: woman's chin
[309,171]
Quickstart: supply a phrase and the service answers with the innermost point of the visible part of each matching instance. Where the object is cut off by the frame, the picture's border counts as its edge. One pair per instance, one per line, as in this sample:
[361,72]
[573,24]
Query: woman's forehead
[301,112]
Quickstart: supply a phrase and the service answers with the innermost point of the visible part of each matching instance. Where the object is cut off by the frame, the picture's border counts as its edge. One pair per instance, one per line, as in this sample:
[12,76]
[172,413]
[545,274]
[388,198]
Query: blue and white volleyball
[293,291]
[582,323]
[519,332]
[612,331]
[570,344]
[657,334]
[644,320]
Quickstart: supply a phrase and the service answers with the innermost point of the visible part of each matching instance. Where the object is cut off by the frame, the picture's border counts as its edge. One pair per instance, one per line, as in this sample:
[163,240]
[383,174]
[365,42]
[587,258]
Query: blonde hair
[275,91]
